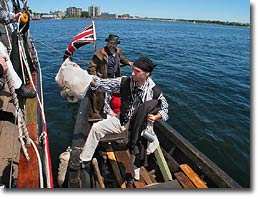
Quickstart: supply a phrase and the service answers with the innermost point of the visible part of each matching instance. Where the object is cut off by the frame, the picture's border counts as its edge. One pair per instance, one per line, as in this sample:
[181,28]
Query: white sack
[73,80]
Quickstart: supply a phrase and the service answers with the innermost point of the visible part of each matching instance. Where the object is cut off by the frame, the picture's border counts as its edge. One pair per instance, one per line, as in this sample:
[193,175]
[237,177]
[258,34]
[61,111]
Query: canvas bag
[73,80]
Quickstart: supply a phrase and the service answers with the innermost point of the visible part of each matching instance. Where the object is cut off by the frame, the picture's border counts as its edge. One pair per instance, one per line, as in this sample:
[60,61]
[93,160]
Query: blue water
[203,69]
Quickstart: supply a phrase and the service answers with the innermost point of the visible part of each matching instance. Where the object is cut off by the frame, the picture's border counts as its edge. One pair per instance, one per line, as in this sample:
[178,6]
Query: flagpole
[95,37]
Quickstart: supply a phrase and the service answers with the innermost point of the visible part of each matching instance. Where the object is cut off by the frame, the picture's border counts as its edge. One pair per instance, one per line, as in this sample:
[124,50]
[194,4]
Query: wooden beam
[112,159]
[125,163]
[183,180]
[145,175]
[196,180]
[167,176]
[97,172]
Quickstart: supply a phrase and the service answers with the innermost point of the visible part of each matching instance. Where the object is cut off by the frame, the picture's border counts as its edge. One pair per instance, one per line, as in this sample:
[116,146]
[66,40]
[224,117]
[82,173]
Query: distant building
[48,16]
[73,11]
[94,11]
[108,15]
[59,13]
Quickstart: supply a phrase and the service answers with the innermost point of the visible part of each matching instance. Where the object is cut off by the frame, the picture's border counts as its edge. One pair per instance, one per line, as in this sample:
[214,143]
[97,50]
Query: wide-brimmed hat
[113,38]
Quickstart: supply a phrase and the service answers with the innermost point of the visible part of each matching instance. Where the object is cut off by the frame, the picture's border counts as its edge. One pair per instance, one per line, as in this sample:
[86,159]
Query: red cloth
[115,103]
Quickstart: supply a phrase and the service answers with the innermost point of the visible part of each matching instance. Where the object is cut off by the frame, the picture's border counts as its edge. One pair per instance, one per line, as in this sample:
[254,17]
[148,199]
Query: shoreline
[165,20]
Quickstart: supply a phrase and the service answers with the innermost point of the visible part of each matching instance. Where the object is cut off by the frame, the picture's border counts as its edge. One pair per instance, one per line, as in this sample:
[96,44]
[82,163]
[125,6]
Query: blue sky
[224,10]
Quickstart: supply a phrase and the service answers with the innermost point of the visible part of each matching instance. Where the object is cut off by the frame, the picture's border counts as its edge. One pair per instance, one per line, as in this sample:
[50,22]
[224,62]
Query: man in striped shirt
[134,91]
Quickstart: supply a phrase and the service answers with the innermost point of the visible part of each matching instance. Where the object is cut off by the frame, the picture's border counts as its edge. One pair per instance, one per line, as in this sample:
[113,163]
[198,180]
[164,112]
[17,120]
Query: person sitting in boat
[5,19]
[135,91]
[106,63]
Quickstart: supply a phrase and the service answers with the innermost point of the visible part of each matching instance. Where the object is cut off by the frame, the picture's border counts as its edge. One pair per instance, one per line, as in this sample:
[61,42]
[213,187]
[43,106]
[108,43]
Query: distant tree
[84,14]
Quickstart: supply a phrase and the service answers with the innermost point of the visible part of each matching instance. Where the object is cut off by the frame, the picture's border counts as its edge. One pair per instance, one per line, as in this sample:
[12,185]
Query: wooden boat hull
[179,150]
[36,172]
[179,155]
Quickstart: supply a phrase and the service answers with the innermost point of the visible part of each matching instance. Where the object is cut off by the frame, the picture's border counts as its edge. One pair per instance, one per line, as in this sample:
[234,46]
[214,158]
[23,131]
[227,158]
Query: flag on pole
[86,36]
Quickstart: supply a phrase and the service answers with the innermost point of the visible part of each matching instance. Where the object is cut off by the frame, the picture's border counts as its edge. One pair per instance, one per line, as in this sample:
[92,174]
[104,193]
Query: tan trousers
[99,130]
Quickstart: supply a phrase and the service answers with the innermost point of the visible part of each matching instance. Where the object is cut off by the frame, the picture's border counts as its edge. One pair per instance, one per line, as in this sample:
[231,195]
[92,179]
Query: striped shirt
[112,85]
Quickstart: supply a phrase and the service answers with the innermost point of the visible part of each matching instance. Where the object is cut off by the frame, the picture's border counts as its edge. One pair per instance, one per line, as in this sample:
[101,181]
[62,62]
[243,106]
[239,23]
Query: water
[203,69]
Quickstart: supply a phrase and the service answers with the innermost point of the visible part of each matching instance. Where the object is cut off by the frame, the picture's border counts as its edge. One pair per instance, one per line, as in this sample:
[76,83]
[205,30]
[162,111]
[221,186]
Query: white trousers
[99,130]
[17,82]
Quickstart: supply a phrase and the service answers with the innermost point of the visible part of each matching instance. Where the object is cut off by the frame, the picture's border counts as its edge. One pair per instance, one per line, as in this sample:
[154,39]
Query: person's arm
[93,64]
[109,85]
[163,112]
[123,60]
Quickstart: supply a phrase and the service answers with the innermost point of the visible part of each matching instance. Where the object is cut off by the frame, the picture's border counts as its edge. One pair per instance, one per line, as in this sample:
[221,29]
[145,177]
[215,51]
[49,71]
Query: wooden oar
[97,172]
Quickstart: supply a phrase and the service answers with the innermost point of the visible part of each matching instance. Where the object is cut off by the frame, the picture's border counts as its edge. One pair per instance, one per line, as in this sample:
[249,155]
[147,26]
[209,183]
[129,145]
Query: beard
[112,50]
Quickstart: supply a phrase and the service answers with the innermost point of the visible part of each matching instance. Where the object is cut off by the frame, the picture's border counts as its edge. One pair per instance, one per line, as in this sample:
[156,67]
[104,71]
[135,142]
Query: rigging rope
[62,53]
[23,132]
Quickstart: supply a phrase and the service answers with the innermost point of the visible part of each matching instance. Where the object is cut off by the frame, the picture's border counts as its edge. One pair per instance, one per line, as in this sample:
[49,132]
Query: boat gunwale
[207,166]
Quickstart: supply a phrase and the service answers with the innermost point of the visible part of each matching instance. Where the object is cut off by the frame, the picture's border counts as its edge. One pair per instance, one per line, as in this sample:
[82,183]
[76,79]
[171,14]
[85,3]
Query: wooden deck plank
[196,180]
[112,159]
[183,180]
[124,162]
[145,176]
[139,184]
[8,136]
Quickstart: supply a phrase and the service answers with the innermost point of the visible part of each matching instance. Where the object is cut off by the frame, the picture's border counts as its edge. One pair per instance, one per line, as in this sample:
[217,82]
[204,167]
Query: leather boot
[25,92]
[96,106]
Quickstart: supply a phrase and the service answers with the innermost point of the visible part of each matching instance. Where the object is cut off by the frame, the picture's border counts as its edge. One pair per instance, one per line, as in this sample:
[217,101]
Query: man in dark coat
[106,63]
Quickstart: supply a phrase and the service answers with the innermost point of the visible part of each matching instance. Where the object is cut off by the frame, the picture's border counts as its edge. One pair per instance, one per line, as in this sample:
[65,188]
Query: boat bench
[188,178]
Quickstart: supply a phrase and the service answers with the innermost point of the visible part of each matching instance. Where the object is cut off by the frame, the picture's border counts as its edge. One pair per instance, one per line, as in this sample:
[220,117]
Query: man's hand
[130,63]
[152,118]
[16,17]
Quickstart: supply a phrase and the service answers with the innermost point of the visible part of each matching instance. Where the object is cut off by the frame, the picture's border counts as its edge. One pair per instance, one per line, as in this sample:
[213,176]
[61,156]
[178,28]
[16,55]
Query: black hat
[113,38]
[145,64]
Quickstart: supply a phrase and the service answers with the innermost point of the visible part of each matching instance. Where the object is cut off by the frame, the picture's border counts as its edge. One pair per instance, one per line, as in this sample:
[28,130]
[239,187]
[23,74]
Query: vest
[126,98]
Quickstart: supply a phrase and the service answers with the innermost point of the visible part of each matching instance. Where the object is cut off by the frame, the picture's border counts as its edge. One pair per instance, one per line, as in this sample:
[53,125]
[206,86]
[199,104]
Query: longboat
[176,164]
[25,160]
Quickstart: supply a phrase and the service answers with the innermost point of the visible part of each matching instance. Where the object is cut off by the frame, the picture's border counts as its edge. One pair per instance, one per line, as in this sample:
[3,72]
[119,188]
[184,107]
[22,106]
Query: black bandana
[145,64]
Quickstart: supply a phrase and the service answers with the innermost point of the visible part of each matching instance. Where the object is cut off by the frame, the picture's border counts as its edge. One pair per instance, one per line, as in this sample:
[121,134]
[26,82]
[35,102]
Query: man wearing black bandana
[106,63]
[135,91]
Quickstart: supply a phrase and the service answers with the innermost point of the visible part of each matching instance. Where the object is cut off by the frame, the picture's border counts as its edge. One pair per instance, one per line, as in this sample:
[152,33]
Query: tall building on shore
[73,11]
[94,11]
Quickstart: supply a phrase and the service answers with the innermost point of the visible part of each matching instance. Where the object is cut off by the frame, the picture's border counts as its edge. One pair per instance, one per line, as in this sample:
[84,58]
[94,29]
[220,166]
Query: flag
[86,36]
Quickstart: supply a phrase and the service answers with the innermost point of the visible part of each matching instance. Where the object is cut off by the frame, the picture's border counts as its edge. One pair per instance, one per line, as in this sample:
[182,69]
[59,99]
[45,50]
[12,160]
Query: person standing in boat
[135,91]
[106,63]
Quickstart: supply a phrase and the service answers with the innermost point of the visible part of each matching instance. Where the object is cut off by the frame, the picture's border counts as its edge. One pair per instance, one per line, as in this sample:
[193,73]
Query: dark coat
[138,144]
[99,63]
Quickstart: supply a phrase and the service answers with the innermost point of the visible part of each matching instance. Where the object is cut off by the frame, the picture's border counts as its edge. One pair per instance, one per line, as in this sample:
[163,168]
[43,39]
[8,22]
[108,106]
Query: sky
[222,10]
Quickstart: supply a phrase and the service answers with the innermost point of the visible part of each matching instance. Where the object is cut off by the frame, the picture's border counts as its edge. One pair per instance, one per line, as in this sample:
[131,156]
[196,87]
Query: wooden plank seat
[193,176]
[112,137]
[183,180]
